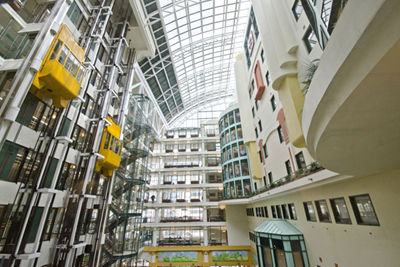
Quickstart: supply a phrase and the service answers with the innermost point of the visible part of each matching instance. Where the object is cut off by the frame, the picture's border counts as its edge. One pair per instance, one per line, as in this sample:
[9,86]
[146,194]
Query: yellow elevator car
[110,148]
[62,70]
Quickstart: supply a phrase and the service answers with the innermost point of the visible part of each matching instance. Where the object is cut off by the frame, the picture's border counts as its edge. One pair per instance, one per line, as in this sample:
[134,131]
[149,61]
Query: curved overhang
[351,117]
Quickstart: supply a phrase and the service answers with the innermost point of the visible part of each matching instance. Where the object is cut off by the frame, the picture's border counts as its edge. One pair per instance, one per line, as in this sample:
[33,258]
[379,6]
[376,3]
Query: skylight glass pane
[204,38]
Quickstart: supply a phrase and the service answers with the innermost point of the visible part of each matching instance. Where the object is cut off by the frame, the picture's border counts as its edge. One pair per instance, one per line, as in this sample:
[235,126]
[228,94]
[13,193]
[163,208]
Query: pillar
[205,236]
[156,215]
[155,237]
[205,219]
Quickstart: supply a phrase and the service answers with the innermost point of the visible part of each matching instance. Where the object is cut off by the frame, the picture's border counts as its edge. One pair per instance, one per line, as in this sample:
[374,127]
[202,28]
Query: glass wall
[179,236]
[281,250]
[235,162]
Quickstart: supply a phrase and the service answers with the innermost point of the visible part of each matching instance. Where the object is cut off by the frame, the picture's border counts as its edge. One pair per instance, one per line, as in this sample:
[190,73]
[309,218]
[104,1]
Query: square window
[309,210]
[273,211]
[301,162]
[265,150]
[260,125]
[262,56]
[297,9]
[323,211]
[292,211]
[278,211]
[288,167]
[363,210]
[285,212]
[340,212]
[280,133]
[273,103]
[310,39]
[267,78]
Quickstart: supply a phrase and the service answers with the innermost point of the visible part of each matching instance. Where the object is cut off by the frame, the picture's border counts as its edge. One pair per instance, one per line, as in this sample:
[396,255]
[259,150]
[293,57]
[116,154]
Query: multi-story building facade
[96,170]
[74,108]
[181,203]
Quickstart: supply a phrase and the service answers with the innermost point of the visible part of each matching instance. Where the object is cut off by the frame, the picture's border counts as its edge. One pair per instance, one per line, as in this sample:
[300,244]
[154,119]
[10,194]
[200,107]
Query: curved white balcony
[351,112]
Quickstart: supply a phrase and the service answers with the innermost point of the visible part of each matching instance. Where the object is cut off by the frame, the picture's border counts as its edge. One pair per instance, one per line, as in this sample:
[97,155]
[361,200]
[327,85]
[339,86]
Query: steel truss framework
[197,41]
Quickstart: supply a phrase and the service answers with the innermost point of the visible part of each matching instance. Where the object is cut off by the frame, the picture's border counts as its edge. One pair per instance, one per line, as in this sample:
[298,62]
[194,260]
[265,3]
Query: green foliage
[308,70]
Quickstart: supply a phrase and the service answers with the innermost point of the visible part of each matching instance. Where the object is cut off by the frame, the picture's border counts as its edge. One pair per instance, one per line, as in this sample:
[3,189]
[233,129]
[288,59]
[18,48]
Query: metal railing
[300,173]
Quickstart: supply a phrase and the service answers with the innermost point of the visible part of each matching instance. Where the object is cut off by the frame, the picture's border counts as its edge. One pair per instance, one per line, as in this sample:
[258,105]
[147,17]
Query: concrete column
[158,196]
[204,194]
[161,166]
[205,236]
[160,177]
[245,103]
[205,219]
[202,131]
[155,237]
[156,215]
[204,177]
[202,146]
[203,160]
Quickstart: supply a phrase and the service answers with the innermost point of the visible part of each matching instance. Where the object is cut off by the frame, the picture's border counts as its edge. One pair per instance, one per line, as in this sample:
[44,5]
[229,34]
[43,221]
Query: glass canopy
[197,43]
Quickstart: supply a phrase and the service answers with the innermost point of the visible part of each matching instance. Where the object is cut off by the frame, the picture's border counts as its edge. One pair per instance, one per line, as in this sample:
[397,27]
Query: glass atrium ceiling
[197,42]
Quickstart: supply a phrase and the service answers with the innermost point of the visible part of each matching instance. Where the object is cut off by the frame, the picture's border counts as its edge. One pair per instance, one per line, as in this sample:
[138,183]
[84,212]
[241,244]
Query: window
[255,186]
[288,167]
[262,212]
[270,177]
[256,132]
[260,155]
[266,211]
[265,180]
[262,55]
[285,212]
[256,103]
[51,217]
[252,111]
[260,125]
[74,13]
[267,78]
[280,133]
[273,211]
[309,39]
[363,210]
[292,211]
[310,213]
[250,92]
[322,210]
[278,211]
[265,150]
[340,211]
[273,103]
[301,162]
[297,9]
